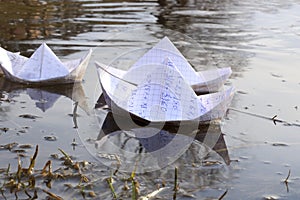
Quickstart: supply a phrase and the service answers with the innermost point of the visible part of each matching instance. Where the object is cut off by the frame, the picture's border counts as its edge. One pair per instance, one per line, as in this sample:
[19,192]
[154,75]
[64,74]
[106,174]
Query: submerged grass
[77,180]
[110,184]
[24,181]
[176,185]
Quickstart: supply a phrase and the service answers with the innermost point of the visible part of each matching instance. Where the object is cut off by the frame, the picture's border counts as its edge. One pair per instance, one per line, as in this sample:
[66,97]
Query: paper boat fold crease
[43,67]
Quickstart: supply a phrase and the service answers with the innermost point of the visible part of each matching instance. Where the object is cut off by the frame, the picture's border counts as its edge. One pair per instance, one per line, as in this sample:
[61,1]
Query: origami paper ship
[43,67]
[162,87]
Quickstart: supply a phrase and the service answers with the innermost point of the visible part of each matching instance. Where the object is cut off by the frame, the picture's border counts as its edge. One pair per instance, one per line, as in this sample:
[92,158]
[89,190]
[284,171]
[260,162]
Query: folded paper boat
[43,67]
[162,95]
[201,82]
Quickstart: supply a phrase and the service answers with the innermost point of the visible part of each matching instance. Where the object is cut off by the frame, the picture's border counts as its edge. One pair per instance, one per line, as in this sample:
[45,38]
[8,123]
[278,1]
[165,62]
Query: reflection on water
[159,140]
[34,20]
[155,152]
[45,97]
[71,23]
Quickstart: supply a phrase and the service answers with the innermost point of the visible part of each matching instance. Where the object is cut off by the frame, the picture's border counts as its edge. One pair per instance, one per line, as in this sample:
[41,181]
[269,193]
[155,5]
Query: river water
[259,40]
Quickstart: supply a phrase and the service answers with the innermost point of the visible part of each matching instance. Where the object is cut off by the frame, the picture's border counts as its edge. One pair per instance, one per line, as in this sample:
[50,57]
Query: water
[259,40]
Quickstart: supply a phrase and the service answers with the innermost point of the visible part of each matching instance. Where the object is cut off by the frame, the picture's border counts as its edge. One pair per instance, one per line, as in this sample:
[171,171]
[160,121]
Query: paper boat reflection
[43,67]
[45,97]
[154,148]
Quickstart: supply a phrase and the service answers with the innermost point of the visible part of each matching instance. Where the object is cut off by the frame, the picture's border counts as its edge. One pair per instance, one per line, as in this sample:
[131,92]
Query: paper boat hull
[76,70]
[214,113]
[55,81]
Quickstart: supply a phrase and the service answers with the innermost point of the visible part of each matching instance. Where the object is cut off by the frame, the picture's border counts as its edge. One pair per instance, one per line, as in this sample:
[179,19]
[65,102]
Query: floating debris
[29,116]
[18,151]
[52,195]
[92,194]
[25,146]
[4,129]
[267,162]
[271,197]
[9,146]
[22,131]
[55,156]
[223,195]
[210,163]
[242,92]
[50,138]
[279,144]
[276,75]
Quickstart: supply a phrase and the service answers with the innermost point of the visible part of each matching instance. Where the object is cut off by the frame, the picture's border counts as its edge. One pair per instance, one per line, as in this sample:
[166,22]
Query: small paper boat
[162,95]
[43,67]
[201,82]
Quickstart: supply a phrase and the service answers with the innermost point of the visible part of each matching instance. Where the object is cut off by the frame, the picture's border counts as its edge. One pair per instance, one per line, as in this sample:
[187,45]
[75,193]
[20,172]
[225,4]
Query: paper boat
[162,95]
[43,67]
[201,82]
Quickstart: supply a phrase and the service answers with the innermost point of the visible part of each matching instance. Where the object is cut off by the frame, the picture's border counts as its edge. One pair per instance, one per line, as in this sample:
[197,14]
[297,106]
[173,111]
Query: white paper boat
[201,82]
[43,67]
[162,95]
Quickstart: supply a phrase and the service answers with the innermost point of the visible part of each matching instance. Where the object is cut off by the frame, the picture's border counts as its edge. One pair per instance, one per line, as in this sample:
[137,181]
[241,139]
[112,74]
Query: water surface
[259,40]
